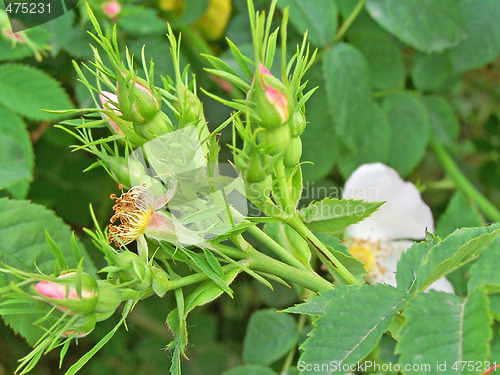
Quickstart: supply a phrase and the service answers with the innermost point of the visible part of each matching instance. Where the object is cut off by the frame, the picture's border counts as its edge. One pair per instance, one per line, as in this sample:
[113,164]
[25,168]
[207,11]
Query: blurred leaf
[484,272]
[269,336]
[193,10]
[444,125]
[409,122]
[482,42]
[430,71]
[22,227]
[426,25]
[13,127]
[139,20]
[349,100]
[27,91]
[319,140]
[318,18]
[442,327]
[373,145]
[60,28]
[250,370]
[459,213]
[333,215]
[384,58]
[346,332]
[13,168]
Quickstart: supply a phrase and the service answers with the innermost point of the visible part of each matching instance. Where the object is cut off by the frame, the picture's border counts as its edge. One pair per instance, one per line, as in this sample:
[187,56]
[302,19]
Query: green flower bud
[255,171]
[293,152]
[161,283]
[82,327]
[259,191]
[297,124]
[134,269]
[108,297]
[137,102]
[276,139]
[160,124]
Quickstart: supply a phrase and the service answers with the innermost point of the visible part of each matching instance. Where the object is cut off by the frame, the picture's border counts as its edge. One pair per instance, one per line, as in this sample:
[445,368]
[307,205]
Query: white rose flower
[379,240]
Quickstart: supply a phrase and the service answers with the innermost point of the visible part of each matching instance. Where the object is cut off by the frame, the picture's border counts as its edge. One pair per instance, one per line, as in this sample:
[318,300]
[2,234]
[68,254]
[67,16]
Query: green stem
[322,251]
[463,182]
[343,29]
[349,20]
[275,247]
[264,263]
[289,358]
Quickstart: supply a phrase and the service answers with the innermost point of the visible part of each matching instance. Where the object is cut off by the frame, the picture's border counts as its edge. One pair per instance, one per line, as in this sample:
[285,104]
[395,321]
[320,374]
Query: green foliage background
[395,82]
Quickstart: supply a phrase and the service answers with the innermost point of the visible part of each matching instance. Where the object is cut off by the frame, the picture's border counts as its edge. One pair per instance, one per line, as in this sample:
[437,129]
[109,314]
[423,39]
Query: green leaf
[13,168]
[250,370]
[352,323]
[318,18]
[333,215]
[482,42]
[269,336]
[431,71]
[347,81]
[354,266]
[426,25]
[384,58]
[442,327]
[409,122]
[27,91]
[458,214]
[410,261]
[22,227]
[290,240]
[484,272]
[454,251]
[443,123]
[317,305]
[372,145]
[12,126]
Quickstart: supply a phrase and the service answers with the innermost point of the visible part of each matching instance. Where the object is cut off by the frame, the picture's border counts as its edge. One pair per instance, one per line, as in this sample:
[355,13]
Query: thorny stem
[275,247]
[264,263]
[463,182]
[322,251]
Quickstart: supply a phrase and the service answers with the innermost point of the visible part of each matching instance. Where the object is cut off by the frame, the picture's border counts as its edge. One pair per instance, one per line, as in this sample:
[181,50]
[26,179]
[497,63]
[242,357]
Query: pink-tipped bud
[111,8]
[271,103]
[108,101]
[63,294]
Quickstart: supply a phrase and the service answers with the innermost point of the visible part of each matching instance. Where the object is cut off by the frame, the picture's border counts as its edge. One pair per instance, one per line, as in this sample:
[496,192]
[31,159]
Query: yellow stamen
[133,210]
[364,252]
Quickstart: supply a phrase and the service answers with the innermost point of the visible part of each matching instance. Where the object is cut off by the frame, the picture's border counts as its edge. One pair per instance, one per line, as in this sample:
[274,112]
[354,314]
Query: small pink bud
[108,101]
[64,290]
[275,97]
[111,8]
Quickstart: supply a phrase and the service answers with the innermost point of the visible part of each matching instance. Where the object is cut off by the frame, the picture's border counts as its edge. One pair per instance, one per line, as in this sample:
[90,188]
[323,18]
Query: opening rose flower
[379,240]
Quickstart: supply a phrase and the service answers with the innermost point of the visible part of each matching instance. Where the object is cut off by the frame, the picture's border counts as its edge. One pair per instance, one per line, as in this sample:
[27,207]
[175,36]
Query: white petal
[403,215]
[442,285]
